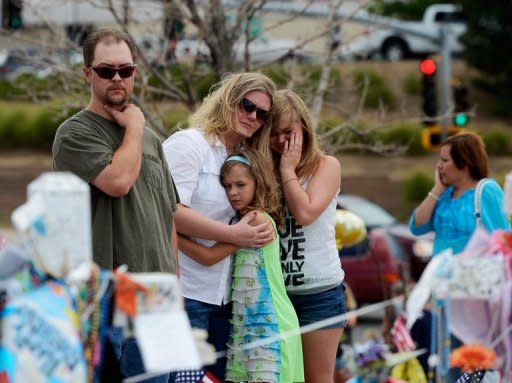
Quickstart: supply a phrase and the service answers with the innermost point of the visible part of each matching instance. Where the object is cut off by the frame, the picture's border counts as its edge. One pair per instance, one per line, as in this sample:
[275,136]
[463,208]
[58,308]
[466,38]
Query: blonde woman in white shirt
[237,109]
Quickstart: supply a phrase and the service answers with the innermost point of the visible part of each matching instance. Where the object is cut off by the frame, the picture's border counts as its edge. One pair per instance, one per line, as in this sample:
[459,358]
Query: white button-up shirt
[195,167]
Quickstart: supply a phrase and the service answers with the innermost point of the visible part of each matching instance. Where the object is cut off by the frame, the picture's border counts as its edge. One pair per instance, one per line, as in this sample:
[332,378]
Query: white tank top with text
[309,257]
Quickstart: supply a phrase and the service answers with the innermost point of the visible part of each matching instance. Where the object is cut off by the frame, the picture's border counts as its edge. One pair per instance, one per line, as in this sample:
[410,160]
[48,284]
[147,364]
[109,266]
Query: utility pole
[445,78]
[125,12]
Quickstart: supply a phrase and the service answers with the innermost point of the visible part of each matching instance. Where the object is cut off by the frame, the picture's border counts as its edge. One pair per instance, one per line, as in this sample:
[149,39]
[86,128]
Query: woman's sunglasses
[108,73]
[249,107]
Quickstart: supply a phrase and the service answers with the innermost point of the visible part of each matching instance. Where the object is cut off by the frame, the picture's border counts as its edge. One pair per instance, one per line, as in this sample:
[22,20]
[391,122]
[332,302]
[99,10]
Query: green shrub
[378,93]
[404,135]
[199,80]
[45,125]
[9,91]
[204,83]
[29,126]
[278,73]
[314,73]
[498,141]
[324,127]
[327,123]
[30,82]
[14,126]
[416,186]
[309,74]
[306,82]
[352,138]
[176,120]
[412,84]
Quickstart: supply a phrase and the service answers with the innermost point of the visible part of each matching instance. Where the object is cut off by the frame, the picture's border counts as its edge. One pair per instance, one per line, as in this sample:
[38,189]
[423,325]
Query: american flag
[478,376]
[195,376]
[401,336]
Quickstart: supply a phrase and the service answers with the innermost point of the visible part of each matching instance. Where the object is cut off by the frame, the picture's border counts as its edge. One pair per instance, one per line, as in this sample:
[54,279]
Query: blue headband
[241,159]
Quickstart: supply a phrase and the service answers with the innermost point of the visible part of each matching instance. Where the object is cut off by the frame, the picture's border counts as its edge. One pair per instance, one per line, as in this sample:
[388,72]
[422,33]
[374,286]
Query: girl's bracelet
[290,180]
[433,196]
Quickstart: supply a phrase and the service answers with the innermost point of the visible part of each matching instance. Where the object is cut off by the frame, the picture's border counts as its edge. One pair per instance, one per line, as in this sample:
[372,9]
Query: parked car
[398,41]
[262,49]
[15,62]
[386,255]
[265,49]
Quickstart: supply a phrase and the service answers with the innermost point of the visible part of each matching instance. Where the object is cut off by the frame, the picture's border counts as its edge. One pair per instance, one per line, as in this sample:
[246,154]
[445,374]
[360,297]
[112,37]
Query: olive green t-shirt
[134,229]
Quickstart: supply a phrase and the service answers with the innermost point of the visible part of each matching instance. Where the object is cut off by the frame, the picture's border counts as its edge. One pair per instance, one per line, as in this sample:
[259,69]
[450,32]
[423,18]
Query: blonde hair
[215,115]
[266,194]
[289,107]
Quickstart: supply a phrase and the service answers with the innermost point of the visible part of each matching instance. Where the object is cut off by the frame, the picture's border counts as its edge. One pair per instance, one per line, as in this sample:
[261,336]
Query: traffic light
[432,136]
[460,97]
[429,90]
[11,10]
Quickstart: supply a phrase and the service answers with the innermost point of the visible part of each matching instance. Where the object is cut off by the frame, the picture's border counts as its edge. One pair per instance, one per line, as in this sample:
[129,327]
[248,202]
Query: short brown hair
[95,37]
[467,150]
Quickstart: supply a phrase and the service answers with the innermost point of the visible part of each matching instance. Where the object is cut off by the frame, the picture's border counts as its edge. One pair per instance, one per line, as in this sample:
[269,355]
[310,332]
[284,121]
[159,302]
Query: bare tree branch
[221,35]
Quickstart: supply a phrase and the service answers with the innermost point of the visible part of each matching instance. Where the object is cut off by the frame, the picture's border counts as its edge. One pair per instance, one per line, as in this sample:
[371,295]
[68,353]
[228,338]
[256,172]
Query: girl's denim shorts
[311,308]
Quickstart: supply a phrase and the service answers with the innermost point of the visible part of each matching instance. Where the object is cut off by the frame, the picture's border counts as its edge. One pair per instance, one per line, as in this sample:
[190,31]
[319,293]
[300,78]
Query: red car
[386,254]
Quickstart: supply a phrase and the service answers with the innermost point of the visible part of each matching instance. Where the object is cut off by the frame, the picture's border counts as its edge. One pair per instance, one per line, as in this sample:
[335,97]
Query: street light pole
[445,104]
[125,12]
[444,80]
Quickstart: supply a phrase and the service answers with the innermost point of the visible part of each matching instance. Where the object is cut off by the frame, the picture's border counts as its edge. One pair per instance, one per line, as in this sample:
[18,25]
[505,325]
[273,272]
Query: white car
[266,49]
[15,62]
[262,49]
[399,40]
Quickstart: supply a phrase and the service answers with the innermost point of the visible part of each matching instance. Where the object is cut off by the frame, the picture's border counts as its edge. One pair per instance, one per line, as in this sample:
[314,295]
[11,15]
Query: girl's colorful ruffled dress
[262,309]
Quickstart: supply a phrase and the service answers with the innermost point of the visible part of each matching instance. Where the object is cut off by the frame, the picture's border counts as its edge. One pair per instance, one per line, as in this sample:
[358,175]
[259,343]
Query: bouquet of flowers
[473,357]
[371,361]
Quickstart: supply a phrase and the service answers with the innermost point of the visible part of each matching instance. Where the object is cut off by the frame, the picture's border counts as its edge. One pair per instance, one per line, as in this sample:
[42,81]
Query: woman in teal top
[449,208]
[261,307]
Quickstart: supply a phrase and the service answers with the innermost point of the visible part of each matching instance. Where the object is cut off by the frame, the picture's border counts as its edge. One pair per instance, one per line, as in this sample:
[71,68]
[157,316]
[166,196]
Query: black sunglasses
[108,73]
[249,107]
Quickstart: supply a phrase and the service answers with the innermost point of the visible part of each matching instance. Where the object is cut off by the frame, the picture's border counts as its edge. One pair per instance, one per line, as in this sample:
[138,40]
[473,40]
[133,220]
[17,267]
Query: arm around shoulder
[258,218]
[205,255]
[192,223]
[242,234]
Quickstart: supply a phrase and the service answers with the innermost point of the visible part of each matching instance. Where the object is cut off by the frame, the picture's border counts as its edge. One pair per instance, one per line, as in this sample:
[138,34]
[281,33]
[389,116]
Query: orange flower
[473,357]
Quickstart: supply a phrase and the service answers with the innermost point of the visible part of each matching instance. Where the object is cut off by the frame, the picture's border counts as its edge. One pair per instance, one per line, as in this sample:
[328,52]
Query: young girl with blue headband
[261,307]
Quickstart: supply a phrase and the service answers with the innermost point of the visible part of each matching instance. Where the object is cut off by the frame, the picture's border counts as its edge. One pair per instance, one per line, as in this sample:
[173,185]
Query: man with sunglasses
[133,197]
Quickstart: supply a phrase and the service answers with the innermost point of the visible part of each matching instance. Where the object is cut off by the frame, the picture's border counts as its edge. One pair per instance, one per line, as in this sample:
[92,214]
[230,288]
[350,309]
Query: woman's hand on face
[439,186]
[292,153]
